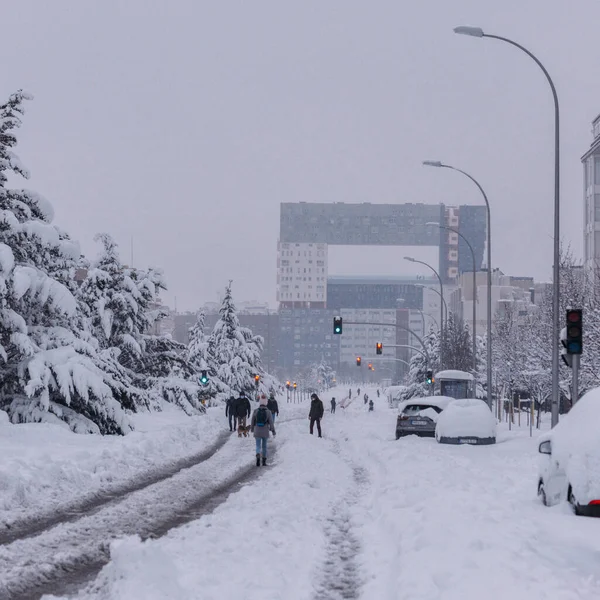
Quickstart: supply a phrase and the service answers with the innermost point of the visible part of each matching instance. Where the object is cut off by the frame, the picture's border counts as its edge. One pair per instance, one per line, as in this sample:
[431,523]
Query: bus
[456,384]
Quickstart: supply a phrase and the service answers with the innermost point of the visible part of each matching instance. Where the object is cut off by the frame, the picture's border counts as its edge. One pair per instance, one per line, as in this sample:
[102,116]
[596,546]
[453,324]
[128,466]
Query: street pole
[474,326]
[555,345]
[414,260]
[437,163]
[575,385]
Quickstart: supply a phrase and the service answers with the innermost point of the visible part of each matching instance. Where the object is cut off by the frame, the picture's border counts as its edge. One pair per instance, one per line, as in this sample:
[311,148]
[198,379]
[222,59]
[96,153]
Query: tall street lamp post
[437,163]
[474,326]
[555,346]
[414,260]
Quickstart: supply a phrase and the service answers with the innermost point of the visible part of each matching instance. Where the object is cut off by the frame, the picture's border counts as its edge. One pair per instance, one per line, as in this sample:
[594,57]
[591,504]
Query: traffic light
[294,385]
[358,361]
[370,366]
[257,379]
[337,325]
[429,377]
[287,385]
[203,378]
[574,331]
[379,348]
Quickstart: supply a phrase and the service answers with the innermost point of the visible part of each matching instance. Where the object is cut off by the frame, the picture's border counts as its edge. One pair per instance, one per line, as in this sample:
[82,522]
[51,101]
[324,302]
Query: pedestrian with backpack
[333,406]
[370,405]
[273,406]
[230,407]
[260,425]
[316,413]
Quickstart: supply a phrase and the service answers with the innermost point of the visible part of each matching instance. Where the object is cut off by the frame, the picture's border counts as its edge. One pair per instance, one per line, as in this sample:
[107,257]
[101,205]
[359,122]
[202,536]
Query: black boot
[258,460]
[264,461]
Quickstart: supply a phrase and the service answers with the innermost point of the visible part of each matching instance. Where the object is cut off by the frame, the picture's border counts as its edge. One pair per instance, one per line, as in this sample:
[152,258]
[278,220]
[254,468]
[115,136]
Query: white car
[466,421]
[570,458]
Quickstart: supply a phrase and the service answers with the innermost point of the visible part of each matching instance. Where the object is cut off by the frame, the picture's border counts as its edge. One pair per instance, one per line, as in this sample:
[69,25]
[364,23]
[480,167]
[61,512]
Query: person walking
[366,398]
[242,409]
[358,392]
[370,405]
[378,392]
[230,412]
[316,413]
[350,393]
[273,406]
[333,406]
[260,425]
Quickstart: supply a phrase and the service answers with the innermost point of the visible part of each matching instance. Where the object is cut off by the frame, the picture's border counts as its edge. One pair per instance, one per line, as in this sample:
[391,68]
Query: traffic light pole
[575,383]
[396,326]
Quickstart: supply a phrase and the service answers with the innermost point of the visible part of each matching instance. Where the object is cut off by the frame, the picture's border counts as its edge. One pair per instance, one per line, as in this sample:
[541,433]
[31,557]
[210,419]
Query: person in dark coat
[370,405]
[230,412]
[242,409]
[316,413]
[273,407]
[261,429]
[332,405]
[350,393]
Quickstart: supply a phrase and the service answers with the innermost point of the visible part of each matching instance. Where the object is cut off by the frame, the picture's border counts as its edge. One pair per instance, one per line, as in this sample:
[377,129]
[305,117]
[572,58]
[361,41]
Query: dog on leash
[243,431]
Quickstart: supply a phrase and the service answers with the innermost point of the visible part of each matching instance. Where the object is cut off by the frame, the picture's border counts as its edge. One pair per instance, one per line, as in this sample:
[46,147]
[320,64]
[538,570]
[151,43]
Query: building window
[597,170]
[597,208]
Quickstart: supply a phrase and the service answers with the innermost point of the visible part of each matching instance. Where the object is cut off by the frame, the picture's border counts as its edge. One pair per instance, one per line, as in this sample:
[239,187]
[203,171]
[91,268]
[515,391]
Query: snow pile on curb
[45,466]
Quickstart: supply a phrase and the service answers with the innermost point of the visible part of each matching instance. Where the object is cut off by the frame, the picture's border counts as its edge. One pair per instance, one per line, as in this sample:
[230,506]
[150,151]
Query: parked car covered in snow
[570,458]
[466,421]
[419,415]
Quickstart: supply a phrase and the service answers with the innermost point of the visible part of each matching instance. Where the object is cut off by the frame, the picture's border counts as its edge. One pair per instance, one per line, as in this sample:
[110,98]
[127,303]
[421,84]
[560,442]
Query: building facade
[591,199]
[301,275]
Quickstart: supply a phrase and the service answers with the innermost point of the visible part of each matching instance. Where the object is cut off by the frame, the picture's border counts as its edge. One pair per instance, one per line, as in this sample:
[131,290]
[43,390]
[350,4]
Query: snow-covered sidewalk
[360,515]
[44,467]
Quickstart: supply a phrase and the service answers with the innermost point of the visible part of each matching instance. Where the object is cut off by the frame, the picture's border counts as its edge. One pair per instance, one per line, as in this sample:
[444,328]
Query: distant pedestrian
[350,393]
[370,405]
[273,407]
[366,398]
[242,409]
[260,425]
[378,392]
[316,413]
[230,411]
[333,406]
[358,392]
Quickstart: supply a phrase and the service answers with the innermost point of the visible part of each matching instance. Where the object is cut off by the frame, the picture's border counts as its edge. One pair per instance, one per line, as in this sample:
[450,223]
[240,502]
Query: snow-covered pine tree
[458,350]
[51,369]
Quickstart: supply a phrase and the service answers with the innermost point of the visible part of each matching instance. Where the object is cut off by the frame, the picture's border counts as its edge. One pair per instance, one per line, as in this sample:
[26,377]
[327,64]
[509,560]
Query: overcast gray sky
[185,123]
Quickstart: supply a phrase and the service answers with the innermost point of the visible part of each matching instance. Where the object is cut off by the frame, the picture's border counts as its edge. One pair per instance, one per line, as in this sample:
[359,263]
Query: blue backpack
[261,416]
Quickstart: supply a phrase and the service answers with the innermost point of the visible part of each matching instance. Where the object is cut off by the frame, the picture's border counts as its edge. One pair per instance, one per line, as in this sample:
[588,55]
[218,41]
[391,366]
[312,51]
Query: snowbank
[468,417]
[45,466]
[575,446]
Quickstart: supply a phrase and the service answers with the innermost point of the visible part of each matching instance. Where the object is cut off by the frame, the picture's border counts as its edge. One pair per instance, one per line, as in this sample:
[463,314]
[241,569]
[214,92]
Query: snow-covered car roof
[453,374]
[439,401]
[466,417]
[575,446]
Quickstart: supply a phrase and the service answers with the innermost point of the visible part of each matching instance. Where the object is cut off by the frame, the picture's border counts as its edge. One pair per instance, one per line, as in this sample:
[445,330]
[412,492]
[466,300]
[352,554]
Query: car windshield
[414,409]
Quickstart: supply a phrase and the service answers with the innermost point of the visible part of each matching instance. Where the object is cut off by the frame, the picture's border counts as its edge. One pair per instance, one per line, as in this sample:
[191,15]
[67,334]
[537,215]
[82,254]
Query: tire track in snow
[340,579]
[62,559]
[91,504]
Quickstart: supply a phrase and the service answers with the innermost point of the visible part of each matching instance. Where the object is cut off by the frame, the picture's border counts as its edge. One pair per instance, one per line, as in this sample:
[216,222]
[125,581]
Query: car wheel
[398,436]
[542,493]
[573,501]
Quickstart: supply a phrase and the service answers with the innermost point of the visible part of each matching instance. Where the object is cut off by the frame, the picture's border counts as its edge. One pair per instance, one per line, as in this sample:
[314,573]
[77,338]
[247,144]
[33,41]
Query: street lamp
[474,327]
[437,163]
[414,260]
[555,346]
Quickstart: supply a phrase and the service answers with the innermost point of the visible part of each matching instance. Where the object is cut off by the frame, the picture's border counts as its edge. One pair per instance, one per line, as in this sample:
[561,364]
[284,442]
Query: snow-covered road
[360,515]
